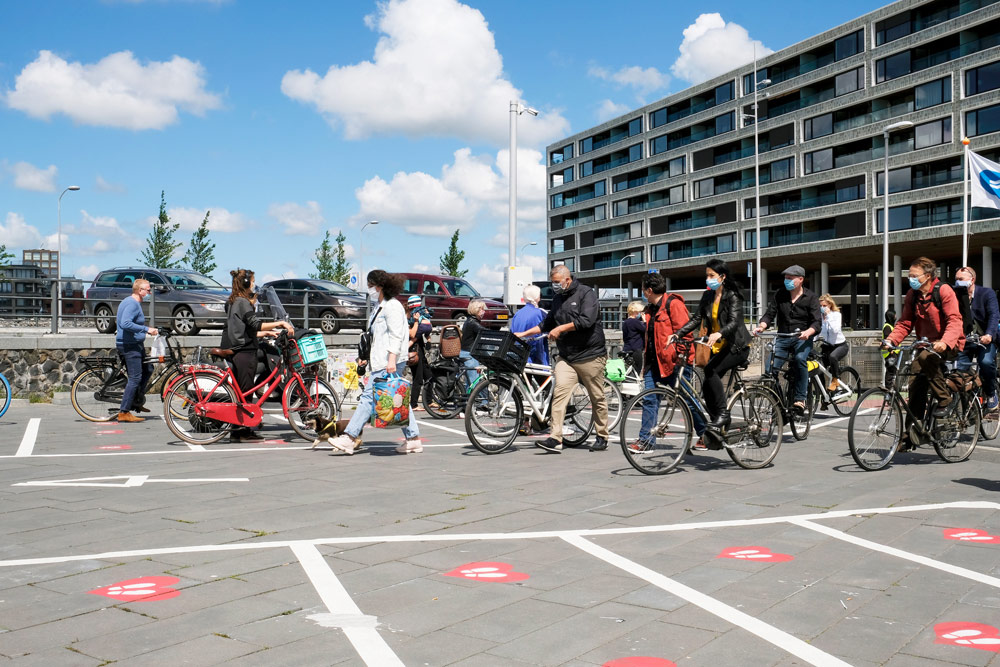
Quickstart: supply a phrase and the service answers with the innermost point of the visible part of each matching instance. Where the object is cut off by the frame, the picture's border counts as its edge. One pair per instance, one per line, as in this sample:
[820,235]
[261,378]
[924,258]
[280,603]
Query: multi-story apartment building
[48,260]
[673,182]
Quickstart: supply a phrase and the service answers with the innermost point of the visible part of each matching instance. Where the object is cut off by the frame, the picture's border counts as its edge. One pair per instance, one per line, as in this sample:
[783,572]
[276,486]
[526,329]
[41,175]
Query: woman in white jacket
[835,346]
[390,342]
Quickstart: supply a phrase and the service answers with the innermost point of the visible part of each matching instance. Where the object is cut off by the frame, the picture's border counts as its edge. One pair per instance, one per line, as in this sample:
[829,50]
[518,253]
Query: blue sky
[288,119]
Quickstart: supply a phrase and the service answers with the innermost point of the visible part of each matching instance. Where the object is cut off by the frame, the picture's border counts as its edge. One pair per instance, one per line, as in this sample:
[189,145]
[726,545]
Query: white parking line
[30,434]
[344,612]
[427,422]
[767,632]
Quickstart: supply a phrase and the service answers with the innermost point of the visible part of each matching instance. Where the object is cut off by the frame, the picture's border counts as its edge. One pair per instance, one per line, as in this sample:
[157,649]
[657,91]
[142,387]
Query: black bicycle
[782,386]
[96,391]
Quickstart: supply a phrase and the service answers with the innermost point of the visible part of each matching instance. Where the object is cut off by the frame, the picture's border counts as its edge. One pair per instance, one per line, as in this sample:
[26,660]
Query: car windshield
[192,280]
[332,287]
[460,287]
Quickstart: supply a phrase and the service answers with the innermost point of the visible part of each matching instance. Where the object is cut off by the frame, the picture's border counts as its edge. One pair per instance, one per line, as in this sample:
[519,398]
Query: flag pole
[965,206]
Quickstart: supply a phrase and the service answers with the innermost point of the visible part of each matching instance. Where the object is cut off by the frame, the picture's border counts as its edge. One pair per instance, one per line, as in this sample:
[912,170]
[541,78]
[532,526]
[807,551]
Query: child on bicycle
[633,335]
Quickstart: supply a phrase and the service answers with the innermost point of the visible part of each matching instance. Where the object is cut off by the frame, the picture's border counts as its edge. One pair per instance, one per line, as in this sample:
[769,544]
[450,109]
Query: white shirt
[831,328]
[389,335]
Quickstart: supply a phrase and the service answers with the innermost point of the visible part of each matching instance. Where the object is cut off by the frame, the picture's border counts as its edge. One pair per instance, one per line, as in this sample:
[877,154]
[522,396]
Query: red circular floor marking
[639,661]
[113,447]
[144,589]
[970,535]
[487,571]
[755,553]
[970,635]
[111,432]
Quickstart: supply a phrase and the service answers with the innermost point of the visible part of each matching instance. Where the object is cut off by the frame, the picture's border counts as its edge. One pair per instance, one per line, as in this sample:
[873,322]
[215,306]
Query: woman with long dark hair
[390,342]
[721,310]
[240,334]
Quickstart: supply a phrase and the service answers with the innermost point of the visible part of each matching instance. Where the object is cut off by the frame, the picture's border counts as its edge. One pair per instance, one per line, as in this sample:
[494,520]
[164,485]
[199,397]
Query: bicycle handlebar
[919,344]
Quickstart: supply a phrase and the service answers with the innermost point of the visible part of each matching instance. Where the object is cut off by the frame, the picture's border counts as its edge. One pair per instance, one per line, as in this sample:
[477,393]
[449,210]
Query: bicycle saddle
[743,367]
[220,353]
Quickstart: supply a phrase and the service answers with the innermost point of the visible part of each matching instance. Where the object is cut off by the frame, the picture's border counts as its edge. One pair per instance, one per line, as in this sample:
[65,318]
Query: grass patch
[427,516]
[220,634]
[256,533]
[179,520]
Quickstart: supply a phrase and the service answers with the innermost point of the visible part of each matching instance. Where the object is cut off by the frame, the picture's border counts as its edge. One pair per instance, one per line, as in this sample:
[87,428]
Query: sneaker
[600,444]
[410,447]
[343,444]
[993,402]
[834,385]
[550,445]
[699,446]
[639,445]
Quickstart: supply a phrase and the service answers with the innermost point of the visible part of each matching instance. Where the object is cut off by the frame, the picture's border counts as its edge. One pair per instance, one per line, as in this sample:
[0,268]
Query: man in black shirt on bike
[797,309]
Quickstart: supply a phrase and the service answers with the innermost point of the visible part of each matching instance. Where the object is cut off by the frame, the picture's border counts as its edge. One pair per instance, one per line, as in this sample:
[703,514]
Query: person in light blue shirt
[528,317]
[129,339]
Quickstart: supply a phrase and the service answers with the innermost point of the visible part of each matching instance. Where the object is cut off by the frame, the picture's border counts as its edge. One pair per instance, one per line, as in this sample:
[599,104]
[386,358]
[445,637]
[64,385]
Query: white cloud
[423,268]
[712,47]
[108,232]
[105,186]
[271,277]
[29,177]
[298,219]
[435,72]
[88,272]
[221,220]
[16,233]
[116,91]
[473,189]
[609,110]
[644,80]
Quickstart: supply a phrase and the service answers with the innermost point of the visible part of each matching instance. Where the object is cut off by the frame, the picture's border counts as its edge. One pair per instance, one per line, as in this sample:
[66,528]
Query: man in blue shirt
[986,315]
[131,332]
[531,316]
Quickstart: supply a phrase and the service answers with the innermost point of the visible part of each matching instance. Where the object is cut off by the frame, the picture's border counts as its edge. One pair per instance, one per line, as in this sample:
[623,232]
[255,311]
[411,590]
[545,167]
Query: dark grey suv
[331,305]
[183,300]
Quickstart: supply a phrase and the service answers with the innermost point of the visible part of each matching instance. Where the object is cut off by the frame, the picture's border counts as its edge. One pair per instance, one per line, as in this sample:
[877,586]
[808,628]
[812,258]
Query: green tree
[323,260]
[160,245]
[341,269]
[5,257]
[452,258]
[200,254]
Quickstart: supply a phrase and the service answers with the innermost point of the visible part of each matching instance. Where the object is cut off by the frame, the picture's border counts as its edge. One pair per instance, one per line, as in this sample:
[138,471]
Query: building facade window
[781,170]
[817,161]
[894,66]
[819,126]
[658,118]
[983,121]
[849,45]
[849,81]
[704,188]
[931,94]
[982,79]
[932,134]
[559,155]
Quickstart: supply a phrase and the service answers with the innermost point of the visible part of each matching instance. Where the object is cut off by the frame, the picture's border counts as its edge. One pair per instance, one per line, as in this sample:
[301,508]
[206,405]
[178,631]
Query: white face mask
[373,293]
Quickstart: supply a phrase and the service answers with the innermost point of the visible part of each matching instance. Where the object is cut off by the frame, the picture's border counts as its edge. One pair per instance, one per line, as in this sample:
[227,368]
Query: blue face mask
[915,283]
[824,309]
[712,283]
[962,283]
[789,284]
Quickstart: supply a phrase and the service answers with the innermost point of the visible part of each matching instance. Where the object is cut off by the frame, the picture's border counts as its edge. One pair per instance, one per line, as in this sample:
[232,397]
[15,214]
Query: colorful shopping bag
[391,396]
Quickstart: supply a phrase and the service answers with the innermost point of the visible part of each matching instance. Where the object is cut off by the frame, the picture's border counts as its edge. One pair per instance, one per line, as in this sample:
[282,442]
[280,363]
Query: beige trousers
[590,374]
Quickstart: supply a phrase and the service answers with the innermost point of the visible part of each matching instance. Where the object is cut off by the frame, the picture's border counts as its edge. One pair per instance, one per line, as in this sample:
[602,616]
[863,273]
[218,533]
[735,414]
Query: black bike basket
[500,351]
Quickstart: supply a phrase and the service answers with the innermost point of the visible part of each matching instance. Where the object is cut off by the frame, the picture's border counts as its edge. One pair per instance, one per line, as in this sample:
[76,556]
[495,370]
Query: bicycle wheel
[801,423]
[443,397]
[961,430]
[192,389]
[5,396]
[493,414]
[756,417]
[579,421]
[91,399]
[875,429]
[655,431]
[613,396]
[697,379]
[168,379]
[312,397]
[843,402]
[989,423]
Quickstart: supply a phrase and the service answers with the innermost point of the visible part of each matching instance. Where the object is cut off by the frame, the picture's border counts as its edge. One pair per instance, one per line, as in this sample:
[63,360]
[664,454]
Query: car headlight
[342,302]
[214,307]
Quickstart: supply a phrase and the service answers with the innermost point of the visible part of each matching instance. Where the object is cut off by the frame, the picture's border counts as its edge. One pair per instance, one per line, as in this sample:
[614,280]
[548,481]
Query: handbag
[390,402]
[365,341]
[702,353]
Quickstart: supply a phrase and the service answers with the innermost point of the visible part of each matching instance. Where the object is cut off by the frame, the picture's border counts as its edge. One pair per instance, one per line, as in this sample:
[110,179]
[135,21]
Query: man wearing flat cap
[797,309]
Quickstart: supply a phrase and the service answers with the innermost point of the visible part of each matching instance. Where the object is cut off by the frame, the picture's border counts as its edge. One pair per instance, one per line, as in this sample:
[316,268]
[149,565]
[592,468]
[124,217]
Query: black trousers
[420,373]
[717,366]
[244,363]
[832,354]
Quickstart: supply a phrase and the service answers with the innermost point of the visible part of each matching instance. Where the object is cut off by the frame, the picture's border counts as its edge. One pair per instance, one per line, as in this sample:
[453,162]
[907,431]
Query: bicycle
[446,391]
[752,438]
[5,395]
[989,426]
[799,421]
[875,429]
[96,391]
[632,383]
[842,400]
[204,403]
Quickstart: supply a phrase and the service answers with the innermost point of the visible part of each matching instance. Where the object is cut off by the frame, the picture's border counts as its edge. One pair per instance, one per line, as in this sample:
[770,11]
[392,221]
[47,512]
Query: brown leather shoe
[141,408]
[129,417]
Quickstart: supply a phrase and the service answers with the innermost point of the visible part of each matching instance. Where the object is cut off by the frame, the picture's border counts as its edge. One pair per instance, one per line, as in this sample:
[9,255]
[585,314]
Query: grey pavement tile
[383,575]
[810,612]
[867,638]
[489,660]
[67,631]
[438,648]
[329,648]
[512,621]
[736,647]
[677,643]
[282,629]
[982,595]
[592,590]
[205,650]
[64,657]
[17,576]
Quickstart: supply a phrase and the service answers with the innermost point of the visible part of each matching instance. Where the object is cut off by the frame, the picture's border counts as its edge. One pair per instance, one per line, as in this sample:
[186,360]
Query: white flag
[985,181]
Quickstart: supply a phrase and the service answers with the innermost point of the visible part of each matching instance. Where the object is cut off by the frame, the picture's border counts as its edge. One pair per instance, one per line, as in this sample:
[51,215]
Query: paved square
[122,545]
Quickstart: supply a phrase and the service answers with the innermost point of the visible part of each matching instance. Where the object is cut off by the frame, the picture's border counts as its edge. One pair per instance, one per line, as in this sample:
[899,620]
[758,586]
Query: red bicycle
[204,403]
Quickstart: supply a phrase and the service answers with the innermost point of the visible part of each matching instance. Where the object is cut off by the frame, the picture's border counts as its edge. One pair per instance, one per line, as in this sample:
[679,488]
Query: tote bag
[391,402]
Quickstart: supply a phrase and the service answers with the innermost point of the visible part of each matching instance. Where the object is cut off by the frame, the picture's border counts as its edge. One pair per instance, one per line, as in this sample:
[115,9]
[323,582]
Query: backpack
[451,341]
[964,307]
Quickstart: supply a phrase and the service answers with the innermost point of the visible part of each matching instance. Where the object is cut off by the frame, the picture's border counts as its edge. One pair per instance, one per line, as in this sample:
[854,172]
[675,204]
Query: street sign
[653,271]
[749,269]
[354,280]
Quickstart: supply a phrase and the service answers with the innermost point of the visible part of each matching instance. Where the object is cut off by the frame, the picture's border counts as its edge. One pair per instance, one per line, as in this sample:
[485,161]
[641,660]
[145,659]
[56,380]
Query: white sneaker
[410,447]
[343,443]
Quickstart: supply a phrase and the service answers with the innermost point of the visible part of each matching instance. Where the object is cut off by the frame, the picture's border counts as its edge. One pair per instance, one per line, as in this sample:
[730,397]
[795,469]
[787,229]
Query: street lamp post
[628,257]
[902,125]
[756,183]
[525,246]
[361,265]
[516,109]
[73,188]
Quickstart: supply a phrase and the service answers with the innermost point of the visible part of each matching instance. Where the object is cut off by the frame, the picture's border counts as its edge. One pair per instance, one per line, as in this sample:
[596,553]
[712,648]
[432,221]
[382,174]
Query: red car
[448,297]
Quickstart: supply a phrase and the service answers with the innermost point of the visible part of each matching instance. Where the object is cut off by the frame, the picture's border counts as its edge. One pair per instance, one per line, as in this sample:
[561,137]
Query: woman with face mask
[835,346]
[390,342]
[721,310]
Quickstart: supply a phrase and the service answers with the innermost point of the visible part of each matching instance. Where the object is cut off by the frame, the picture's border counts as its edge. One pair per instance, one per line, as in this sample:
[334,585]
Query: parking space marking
[739,619]
[452,430]
[898,553]
[30,434]
[344,612]
[129,481]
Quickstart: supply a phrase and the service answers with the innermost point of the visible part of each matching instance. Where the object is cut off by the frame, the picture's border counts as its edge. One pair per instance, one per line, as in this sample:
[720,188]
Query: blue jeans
[987,358]
[138,375]
[798,351]
[651,404]
[471,374]
[366,405]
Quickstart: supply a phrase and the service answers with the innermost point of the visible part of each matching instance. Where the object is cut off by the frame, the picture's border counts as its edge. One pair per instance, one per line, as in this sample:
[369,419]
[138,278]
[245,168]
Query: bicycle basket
[312,349]
[500,351]
[962,381]
[614,370]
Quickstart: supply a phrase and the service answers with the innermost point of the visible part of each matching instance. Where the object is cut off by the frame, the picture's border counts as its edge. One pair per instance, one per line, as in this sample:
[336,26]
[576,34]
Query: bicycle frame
[895,394]
[535,394]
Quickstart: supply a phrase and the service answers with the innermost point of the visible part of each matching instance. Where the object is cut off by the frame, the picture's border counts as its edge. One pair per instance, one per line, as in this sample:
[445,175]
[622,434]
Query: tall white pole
[885,223]
[756,178]
[73,188]
[965,206]
[515,109]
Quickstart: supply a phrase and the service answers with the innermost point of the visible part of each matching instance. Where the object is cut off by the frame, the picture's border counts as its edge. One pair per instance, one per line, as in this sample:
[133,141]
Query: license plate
[502,317]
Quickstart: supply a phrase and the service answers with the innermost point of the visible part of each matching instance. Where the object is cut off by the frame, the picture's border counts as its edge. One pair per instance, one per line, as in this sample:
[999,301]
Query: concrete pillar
[628,291]
[897,285]
[814,282]
[873,300]
[854,299]
[987,275]
[667,279]
[824,278]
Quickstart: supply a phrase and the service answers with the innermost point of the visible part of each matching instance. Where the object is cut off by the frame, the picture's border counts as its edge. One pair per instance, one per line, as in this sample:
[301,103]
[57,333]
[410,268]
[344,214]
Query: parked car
[545,303]
[331,305]
[447,298]
[184,300]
